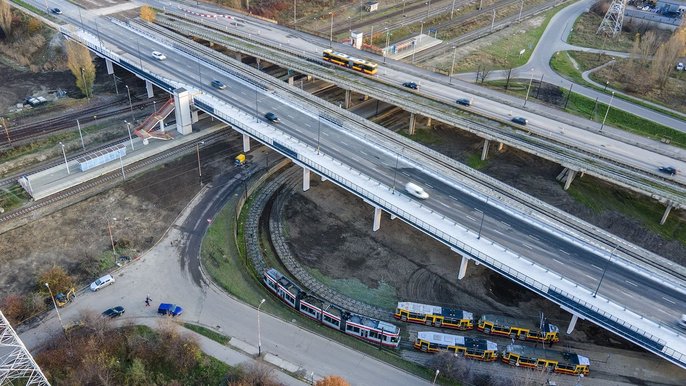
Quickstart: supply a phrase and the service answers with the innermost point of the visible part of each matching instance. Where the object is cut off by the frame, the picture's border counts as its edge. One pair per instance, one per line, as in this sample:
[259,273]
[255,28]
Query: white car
[102,282]
[680,67]
[682,322]
[416,191]
[158,55]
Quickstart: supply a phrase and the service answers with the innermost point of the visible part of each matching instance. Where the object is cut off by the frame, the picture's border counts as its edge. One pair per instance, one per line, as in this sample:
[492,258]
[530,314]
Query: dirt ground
[77,237]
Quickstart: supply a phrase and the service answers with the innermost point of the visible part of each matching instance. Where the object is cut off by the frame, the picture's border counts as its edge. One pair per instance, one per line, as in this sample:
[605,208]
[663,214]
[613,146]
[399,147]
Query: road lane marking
[589,276]
[325,133]
[631,283]
[452,197]
[471,218]
[308,125]
[669,300]
[446,205]
[362,152]
[596,267]
[429,186]
[290,116]
[563,251]
[534,237]
[498,232]
[558,261]
[525,245]
[405,174]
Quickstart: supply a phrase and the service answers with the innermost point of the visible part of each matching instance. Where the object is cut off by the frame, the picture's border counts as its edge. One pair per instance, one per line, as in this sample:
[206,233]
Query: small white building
[371,6]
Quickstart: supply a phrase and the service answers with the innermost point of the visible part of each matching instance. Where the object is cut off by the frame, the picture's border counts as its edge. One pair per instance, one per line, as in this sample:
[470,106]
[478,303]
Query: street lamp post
[85,88]
[128,92]
[385,51]
[66,164]
[56,310]
[452,66]
[452,10]
[436,376]
[78,125]
[295,7]
[331,31]
[197,150]
[482,223]
[128,127]
[259,336]
[319,131]
[428,8]
[395,171]
[529,88]
[605,270]
[154,107]
[609,106]
[109,229]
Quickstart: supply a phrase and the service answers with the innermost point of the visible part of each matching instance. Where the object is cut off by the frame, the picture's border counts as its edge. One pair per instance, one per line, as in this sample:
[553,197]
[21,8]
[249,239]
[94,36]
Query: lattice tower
[16,363]
[614,17]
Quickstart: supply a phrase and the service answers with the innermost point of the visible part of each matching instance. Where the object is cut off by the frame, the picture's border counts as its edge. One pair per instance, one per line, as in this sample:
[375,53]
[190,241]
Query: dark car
[464,102]
[113,312]
[218,84]
[520,120]
[411,85]
[671,170]
[169,309]
[271,117]
[56,11]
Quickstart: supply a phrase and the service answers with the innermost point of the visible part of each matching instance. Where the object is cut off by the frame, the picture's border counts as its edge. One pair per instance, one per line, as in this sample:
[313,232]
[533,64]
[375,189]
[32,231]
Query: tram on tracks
[434,316]
[518,329]
[346,60]
[556,361]
[479,349]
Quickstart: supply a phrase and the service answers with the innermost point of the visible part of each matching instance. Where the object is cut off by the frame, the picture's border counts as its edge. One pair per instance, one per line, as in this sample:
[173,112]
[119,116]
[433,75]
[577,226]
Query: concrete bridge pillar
[365,98]
[194,116]
[291,79]
[246,143]
[428,121]
[570,177]
[239,56]
[572,323]
[501,147]
[110,69]
[413,122]
[324,179]
[377,219]
[306,179]
[182,111]
[463,268]
[484,151]
[393,217]
[670,205]
[348,99]
[148,87]
[162,125]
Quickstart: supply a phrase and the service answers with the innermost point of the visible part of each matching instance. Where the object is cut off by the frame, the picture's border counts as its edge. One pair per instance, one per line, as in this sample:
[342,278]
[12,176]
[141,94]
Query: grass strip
[206,332]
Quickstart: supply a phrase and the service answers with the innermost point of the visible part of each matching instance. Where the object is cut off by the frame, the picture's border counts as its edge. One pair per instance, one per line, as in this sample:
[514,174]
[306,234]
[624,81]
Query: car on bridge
[671,170]
[411,85]
[464,102]
[271,117]
[520,121]
[158,55]
[416,190]
[218,84]
[113,312]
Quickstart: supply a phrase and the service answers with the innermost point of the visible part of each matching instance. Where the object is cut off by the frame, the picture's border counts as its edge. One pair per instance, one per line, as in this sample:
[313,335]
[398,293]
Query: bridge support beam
[182,111]
[324,179]
[239,56]
[428,121]
[484,151]
[501,147]
[162,125]
[110,69]
[306,179]
[377,219]
[291,79]
[148,88]
[246,143]
[348,99]
[413,122]
[194,116]
[572,323]
[664,216]
[570,177]
[393,217]
[463,268]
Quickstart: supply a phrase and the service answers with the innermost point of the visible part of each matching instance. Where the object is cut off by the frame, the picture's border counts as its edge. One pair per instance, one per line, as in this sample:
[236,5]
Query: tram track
[221,61]
[108,178]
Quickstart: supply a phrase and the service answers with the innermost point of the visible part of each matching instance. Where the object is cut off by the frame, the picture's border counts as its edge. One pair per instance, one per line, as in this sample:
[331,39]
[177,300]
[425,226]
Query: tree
[332,380]
[148,13]
[667,55]
[57,278]
[81,66]
[5,18]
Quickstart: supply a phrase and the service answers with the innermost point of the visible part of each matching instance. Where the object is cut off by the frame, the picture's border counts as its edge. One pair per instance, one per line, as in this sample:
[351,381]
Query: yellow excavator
[61,299]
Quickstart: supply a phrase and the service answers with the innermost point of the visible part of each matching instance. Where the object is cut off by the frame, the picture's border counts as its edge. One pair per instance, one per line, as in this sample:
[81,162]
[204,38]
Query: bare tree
[5,18]
[81,65]
[667,55]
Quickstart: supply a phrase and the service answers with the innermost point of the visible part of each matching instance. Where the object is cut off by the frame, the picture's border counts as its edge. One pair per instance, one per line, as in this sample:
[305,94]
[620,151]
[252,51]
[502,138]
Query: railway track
[221,61]
[21,133]
[109,177]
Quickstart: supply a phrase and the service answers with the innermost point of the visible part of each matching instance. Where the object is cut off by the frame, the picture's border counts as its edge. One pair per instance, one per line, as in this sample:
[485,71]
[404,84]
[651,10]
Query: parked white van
[102,282]
[416,190]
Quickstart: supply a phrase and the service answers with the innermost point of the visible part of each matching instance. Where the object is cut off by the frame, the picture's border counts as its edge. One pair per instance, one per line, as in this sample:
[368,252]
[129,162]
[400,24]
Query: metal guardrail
[604,318]
[262,48]
[523,206]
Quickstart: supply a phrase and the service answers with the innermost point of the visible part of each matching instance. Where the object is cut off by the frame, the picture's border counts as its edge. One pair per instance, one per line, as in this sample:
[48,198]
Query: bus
[346,60]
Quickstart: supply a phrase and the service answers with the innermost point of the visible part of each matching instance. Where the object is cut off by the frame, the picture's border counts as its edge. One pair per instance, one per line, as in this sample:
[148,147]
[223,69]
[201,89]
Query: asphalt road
[657,301]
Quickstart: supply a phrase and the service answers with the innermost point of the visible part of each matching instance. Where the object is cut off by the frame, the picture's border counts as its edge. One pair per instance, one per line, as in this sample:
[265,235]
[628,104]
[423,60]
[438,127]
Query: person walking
[147,301]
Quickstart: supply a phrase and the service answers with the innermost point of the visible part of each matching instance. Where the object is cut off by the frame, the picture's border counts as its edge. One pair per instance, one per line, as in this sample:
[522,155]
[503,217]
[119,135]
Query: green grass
[13,197]
[504,53]
[584,34]
[215,336]
[384,296]
[563,64]
[30,7]
[422,135]
[226,263]
[475,161]
[599,197]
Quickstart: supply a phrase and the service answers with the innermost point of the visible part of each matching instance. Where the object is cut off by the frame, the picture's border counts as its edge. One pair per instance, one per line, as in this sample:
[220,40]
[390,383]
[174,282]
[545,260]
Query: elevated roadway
[560,267]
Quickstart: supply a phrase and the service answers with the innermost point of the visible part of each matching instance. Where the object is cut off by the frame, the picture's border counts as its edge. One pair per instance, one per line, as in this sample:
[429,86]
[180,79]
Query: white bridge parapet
[612,316]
